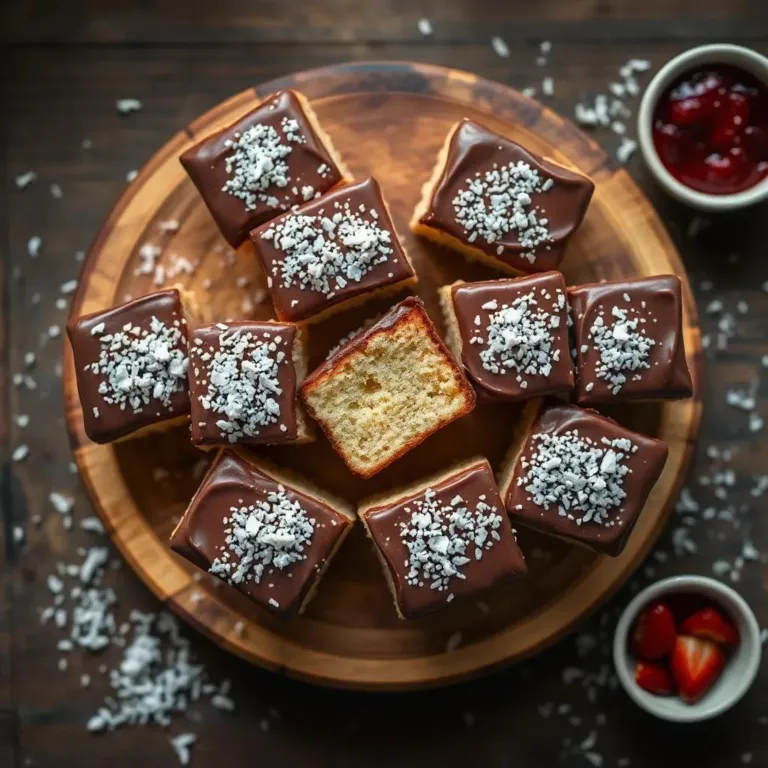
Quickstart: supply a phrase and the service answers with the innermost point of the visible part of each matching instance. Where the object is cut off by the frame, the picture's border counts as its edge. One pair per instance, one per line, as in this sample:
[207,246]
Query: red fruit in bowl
[696,665]
[729,168]
[654,678]
[737,108]
[654,633]
[709,624]
[686,112]
[731,121]
[756,142]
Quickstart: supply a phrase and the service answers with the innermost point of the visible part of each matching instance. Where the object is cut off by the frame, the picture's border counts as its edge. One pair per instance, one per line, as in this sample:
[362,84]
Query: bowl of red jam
[703,127]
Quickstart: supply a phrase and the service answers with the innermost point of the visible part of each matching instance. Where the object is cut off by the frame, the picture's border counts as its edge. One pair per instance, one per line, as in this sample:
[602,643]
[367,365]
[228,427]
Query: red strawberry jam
[710,129]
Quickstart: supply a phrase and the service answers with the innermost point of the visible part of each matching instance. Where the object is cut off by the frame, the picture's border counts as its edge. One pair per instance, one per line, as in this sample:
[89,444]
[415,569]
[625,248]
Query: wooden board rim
[174,586]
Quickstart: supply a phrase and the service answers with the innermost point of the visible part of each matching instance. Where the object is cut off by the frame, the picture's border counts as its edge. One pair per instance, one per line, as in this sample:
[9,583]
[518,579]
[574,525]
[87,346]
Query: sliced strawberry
[708,624]
[654,678]
[696,665]
[688,111]
[654,633]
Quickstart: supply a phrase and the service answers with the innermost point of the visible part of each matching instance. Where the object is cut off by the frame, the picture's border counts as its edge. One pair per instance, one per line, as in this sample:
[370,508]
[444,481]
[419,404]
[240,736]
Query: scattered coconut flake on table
[181,745]
[20,452]
[23,180]
[500,48]
[61,502]
[548,86]
[424,26]
[131,175]
[126,106]
[56,192]
[92,525]
[611,110]
[626,149]
[157,676]
[33,246]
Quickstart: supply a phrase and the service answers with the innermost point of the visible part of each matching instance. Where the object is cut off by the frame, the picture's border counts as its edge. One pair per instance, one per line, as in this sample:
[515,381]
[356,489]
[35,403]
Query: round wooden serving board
[387,120]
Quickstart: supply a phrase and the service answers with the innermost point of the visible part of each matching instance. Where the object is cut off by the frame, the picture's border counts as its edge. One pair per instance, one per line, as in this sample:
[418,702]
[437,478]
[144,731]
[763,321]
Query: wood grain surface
[72,63]
[350,635]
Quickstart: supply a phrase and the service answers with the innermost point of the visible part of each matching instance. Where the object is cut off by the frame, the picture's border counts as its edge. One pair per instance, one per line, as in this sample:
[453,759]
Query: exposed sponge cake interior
[387,390]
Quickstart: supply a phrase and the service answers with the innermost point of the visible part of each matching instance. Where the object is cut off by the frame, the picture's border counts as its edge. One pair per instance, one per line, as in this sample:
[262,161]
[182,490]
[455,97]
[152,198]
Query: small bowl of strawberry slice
[703,127]
[687,648]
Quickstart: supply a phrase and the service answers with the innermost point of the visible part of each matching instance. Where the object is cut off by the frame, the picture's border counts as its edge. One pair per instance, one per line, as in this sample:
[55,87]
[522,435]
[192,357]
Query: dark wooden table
[65,64]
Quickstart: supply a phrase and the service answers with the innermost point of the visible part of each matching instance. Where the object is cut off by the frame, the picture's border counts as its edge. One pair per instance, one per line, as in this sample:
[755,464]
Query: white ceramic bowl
[739,672]
[749,60]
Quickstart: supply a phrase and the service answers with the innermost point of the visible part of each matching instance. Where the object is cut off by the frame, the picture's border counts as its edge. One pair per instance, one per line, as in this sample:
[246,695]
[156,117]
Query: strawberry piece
[730,168]
[731,122]
[654,678]
[708,624]
[654,633]
[696,665]
[687,111]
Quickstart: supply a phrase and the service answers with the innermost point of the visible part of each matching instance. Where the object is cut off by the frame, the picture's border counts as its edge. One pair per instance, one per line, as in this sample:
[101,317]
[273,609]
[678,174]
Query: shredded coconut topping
[270,534]
[242,376]
[583,478]
[520,335]
[324,253]
[442,538]
[139,365]
[258,162]
[499,201]
[622,344]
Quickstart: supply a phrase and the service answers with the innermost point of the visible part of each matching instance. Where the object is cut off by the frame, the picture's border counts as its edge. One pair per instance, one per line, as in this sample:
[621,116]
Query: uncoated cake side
[387,390]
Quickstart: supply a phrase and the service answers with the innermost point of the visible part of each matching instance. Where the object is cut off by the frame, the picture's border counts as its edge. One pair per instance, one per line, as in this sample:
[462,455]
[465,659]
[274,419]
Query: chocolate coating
[233,481]
[203,428]
[468,301]
[114,422]
[474,149]
[295,303]
[500,564]
[205,164]
[668,376]
[645,466]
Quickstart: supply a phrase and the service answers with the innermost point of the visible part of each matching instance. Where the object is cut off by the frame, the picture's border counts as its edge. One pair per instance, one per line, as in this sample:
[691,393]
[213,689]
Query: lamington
[446,537]
[268,161]
[628,340]
[332,253]
[243,384]
[575,474]
[131,365]
[511,335]
[492,200]
[387,389]
[266,532]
